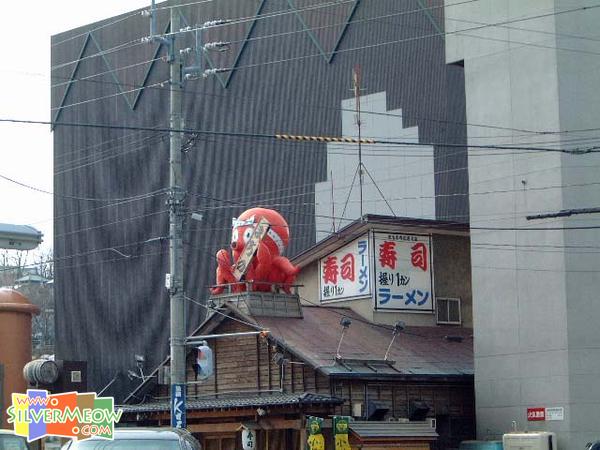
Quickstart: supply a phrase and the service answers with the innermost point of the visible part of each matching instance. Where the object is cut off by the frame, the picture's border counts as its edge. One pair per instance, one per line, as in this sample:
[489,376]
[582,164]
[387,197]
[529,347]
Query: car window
[8,442]
[127,444]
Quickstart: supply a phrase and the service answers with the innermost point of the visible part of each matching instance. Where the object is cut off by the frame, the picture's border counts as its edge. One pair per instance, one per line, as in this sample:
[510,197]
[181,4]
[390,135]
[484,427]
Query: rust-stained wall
[15,345]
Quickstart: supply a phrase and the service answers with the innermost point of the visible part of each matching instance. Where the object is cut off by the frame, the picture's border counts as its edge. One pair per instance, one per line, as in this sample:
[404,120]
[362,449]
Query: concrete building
[533,80]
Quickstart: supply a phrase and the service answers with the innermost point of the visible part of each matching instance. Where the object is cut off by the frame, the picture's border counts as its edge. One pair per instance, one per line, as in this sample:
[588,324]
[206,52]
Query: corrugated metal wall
[110,296]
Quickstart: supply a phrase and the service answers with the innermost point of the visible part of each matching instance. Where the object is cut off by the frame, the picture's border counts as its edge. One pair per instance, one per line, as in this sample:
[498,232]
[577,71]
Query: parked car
[139,438]
[10,441]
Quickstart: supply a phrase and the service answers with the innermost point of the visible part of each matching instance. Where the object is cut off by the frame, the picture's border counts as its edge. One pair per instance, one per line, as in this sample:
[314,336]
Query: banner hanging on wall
[341,425]
[403,277]
[315,440]
[345,274]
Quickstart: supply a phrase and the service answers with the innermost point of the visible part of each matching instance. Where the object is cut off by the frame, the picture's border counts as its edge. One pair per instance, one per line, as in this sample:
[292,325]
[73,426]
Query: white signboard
[403,272]
[250,249]
[556,413]
[345,273]
[248,439]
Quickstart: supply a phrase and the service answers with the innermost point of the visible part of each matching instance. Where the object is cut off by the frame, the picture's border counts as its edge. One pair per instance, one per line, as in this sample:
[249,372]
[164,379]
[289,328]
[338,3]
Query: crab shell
[276,239]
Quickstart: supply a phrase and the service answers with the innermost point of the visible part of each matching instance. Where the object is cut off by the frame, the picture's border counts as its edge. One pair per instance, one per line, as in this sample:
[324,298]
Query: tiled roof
[229,402]
[416,352]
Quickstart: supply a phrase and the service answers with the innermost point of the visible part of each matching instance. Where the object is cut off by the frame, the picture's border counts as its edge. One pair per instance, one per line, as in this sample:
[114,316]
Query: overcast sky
[26,150]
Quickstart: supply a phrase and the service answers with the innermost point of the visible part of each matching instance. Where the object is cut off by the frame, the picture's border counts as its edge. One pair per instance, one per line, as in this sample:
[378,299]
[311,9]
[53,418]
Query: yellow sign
[341,424]
[315,440]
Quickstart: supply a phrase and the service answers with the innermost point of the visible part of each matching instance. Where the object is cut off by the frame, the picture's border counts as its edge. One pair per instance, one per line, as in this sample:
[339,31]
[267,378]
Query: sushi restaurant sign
[393,269]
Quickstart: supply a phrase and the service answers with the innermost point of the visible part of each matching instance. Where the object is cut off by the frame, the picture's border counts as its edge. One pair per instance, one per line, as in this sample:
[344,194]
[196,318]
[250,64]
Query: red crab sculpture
[268,265]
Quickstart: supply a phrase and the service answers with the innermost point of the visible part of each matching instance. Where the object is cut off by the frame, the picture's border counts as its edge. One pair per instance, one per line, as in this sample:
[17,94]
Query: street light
[19,237]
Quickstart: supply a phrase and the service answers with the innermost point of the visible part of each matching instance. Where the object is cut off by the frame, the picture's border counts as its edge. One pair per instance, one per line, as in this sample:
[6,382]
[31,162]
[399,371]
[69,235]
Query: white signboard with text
[345,273]
[403,277]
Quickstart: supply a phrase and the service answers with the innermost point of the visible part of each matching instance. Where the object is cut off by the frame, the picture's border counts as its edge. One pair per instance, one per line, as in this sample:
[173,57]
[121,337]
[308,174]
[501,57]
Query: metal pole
[175,201]
[196,339]
[356,79]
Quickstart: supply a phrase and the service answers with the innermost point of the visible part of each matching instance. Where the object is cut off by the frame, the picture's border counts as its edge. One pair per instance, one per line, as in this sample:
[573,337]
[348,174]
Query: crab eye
[234,235]
[247,235]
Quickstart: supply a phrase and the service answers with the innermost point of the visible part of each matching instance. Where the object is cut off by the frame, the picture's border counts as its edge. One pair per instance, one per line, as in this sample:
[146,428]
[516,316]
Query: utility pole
[174,280]
[175,202]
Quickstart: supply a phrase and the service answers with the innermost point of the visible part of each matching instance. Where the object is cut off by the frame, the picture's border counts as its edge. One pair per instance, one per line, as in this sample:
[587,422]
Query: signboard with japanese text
[545,414]
[345,273]
[178,413]
[250,249]
[555,413]
[403,276]
[536,414]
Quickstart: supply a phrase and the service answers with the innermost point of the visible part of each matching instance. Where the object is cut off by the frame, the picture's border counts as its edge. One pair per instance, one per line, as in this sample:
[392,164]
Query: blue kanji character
[384,295]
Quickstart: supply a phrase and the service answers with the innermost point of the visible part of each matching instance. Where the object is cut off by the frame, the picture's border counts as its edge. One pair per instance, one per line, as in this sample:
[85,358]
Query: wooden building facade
[270,383]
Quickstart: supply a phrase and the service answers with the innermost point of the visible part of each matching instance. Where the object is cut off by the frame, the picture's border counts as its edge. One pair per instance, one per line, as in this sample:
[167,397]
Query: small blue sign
[178,406]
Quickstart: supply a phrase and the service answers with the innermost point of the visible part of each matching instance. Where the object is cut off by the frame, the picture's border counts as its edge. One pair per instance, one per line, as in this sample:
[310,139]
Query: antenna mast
[356,78]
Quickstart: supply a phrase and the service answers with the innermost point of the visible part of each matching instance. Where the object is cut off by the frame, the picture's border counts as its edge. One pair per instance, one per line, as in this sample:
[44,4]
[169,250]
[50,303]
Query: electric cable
[71,197]
[235,21]
[83,102]
[97,28]
[592,149]
[462,31]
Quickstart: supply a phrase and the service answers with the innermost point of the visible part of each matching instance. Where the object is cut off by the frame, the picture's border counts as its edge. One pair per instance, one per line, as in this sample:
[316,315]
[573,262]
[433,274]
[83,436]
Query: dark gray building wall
[109,183]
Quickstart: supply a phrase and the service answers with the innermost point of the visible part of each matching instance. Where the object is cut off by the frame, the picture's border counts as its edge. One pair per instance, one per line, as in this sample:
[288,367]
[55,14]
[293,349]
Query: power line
[88,78]
[106,156]
[107,224]
[116,94]
[275,136]
[91,199]
[97,28]
[216,311]
[235,21]
[105,52]
[118,203]
[468,29]
[435,35]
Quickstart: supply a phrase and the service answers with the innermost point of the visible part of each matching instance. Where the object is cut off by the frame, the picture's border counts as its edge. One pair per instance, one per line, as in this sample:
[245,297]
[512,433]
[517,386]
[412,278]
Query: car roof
[11,432]
[148,433]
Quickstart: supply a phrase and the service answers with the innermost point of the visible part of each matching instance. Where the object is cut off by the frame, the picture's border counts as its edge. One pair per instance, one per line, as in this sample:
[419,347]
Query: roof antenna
[356,77]
[345,323]
[332,203]
[397,329]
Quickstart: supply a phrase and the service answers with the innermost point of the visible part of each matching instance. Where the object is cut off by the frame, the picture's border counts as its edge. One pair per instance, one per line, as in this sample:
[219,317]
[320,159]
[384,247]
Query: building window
[448,311]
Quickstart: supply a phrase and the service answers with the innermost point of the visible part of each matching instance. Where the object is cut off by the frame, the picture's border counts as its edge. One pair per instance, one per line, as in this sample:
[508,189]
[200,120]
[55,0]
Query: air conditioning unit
[448,311]
[542,440]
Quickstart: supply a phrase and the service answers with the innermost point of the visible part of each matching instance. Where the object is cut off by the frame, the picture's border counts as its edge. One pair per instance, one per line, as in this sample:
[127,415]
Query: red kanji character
[330,270]
[387,254]
[418,257]
[348,267]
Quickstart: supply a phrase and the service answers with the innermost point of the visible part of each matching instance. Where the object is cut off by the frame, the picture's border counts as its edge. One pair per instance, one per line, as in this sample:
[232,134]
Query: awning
[393,430]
